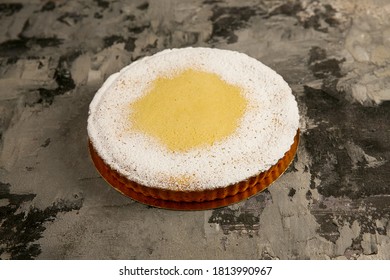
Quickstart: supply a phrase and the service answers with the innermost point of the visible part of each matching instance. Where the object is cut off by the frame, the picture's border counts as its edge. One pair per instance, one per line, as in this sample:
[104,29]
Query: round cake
[193,128]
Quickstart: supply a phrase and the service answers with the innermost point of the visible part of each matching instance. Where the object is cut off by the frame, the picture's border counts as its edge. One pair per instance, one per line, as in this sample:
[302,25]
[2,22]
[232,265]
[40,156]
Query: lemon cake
[193,126]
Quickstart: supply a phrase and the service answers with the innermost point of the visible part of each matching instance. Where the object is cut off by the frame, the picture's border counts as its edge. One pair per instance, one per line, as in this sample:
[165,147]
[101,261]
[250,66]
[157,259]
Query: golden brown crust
[194,200]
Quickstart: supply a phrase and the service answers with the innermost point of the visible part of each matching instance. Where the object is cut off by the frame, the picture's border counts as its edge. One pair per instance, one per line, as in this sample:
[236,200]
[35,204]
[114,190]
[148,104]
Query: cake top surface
[193,119]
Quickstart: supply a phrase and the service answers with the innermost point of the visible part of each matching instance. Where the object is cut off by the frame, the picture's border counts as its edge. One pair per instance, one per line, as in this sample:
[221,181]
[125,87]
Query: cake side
[195,200]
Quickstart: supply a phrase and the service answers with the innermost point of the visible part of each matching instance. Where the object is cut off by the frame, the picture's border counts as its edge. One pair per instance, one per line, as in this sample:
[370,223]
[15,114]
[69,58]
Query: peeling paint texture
[332,203]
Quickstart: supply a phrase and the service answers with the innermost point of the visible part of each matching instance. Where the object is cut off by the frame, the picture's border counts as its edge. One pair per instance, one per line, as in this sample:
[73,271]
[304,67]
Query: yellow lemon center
[190,109]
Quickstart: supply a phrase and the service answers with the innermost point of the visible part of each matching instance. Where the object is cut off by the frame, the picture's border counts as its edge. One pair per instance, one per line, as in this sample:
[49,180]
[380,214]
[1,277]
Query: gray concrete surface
[332,203]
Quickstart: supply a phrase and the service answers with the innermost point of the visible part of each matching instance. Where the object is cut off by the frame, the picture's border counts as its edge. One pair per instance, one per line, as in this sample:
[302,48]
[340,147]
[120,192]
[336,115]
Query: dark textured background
[333,202]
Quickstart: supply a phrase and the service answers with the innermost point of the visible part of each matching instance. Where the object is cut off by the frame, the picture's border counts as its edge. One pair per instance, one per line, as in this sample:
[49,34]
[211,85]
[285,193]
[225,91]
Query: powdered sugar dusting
[265,133]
